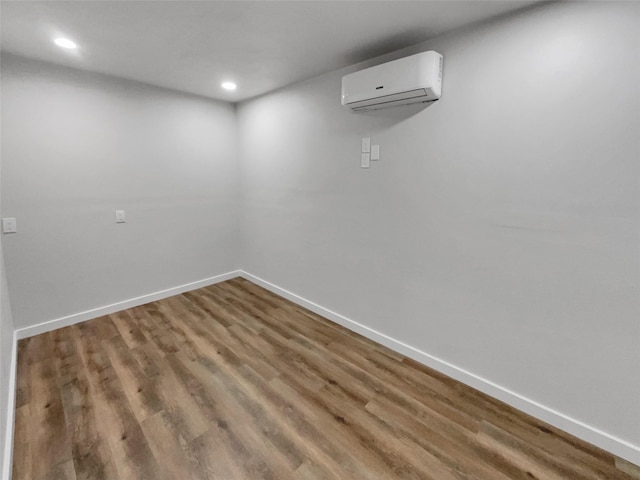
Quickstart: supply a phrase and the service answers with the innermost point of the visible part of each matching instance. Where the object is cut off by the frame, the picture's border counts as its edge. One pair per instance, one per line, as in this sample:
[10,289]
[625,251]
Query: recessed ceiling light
[229,85]
[65,43]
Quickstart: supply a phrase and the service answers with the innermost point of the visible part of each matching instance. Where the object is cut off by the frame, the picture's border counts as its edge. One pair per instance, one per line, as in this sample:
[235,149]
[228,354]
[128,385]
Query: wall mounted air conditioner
[413,79]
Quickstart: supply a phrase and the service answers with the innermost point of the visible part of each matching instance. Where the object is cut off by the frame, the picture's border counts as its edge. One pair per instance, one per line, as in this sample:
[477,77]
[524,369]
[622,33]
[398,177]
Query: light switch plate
[120,216]
[375,152]
[9,225]
[364,160]
[366,145]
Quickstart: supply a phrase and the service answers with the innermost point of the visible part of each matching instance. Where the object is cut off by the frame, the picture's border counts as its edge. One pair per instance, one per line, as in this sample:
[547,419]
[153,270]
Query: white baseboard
[7,459]
[610,443]
[617,446]
[123,305]
[71,320]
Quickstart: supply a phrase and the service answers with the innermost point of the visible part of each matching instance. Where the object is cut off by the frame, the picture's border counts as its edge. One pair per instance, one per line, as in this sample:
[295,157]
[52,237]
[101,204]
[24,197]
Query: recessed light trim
[229,86]
[65,43]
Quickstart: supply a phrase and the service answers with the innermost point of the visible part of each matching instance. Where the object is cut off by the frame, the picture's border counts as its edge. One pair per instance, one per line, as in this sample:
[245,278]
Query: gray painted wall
[6,341]
[6,345]
[499,231]
[76,147]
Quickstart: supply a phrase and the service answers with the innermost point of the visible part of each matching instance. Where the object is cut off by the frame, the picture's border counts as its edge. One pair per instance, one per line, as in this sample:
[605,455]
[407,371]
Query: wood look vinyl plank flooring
[234,382]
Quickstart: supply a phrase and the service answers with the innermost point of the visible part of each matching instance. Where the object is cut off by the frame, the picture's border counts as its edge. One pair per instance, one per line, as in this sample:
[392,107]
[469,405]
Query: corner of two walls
[76,147]
[498,233]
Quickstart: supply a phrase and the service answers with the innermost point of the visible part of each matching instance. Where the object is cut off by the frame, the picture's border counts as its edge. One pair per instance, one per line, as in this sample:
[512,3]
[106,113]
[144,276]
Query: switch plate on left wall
[9,225]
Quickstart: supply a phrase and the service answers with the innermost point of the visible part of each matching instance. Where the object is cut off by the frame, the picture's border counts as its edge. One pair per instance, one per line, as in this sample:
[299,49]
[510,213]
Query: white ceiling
[263,45]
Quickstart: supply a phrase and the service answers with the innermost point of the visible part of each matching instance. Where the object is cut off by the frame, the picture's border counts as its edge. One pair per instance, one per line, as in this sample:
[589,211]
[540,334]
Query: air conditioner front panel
[394,81]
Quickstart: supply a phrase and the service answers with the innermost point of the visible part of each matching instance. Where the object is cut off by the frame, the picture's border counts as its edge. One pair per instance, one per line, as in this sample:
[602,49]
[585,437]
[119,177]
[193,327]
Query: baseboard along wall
[7,455]
[588,433]
[123,305]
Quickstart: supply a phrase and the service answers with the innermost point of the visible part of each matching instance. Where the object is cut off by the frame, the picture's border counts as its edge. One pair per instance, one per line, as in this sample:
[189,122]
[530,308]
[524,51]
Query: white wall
[6,354]
[6,350]
[500,230]
[76,147]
